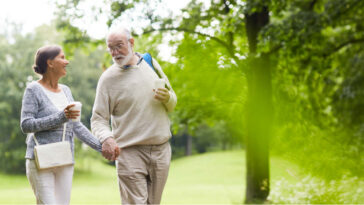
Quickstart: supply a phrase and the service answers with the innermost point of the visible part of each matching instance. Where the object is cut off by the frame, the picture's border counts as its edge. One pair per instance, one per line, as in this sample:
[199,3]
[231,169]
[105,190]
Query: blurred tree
[318,45]
[259,106]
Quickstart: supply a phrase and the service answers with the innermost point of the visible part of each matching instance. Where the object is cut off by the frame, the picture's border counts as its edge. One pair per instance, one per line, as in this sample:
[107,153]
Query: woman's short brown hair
[44,54]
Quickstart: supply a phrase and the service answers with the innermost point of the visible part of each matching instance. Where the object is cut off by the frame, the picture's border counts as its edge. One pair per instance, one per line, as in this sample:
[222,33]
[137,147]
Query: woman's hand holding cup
[71,114]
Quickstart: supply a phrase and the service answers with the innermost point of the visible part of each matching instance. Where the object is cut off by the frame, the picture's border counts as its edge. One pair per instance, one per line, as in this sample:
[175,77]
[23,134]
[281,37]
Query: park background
[270,95]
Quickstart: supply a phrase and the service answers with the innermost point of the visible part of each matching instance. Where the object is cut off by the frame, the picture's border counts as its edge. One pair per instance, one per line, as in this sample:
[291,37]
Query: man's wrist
[105,139]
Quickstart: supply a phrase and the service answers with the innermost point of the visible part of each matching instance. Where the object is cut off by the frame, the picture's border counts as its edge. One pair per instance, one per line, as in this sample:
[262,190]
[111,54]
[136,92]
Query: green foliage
[317,73]
[201,80]
[75,38]
[205,139]
[212,138]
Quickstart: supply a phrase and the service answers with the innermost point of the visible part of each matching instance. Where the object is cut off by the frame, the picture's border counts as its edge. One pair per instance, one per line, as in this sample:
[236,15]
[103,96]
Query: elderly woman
[46,107]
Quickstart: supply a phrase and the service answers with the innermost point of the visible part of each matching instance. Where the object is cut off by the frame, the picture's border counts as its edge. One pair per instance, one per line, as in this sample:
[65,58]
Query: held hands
[110,150]
[161,94]
[71,114]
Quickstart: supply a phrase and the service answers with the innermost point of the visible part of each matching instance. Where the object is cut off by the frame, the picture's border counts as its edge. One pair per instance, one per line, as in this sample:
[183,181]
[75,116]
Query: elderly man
[140,127]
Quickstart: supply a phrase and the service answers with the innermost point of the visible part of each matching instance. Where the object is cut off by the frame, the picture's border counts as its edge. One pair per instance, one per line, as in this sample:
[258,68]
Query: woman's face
[58,65]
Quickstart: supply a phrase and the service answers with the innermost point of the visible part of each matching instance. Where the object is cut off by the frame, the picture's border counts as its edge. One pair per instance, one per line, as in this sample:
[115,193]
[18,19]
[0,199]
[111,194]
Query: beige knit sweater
[126,96]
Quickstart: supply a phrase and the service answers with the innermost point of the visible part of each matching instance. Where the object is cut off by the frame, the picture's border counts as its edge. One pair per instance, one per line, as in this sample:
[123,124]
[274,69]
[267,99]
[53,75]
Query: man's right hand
[110,150]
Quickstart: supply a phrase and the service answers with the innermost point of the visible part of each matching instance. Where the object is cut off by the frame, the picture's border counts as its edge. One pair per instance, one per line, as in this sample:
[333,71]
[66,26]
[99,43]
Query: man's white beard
[124,59]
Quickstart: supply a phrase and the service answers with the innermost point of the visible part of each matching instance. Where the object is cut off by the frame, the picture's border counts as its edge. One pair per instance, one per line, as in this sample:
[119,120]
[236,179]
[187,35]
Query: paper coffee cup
[78,107]
[159,83]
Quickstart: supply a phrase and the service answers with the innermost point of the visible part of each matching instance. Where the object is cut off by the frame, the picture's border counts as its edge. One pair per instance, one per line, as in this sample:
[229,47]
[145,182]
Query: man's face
[117,44]
[120,48]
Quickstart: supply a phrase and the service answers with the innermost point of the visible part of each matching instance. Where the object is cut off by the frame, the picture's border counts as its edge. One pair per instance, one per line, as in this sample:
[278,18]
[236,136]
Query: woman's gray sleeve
[86,136]
[28,122]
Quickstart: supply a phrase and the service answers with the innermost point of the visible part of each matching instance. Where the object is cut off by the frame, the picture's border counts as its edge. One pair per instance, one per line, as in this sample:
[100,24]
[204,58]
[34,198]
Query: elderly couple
[140,128]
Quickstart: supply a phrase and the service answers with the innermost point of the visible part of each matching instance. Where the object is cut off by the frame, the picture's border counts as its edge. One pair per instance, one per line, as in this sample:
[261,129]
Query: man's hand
[161,94]
[110,150]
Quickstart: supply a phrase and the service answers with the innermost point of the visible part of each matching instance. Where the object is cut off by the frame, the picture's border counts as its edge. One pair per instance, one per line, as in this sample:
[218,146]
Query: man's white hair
[119,31]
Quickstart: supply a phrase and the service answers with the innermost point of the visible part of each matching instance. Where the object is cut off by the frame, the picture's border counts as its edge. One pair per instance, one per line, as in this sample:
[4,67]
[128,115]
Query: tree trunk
[188,150]
[259,112]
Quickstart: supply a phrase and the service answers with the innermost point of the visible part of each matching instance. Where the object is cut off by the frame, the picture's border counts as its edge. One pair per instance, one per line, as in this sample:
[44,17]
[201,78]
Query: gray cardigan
[41,117]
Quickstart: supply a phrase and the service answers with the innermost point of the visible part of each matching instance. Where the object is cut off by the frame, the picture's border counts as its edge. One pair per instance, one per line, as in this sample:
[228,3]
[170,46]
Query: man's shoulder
[109,77]
[109,72]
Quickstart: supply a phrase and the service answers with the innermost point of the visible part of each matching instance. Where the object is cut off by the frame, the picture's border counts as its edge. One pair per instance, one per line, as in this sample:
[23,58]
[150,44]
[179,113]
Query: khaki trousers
[142,173]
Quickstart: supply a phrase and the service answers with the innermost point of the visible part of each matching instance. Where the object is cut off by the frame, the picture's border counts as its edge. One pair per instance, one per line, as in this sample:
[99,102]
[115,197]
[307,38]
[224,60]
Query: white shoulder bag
[53,154]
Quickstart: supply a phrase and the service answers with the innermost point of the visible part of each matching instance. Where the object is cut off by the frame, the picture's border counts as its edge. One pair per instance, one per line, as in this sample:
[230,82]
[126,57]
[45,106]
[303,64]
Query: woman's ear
[49,63]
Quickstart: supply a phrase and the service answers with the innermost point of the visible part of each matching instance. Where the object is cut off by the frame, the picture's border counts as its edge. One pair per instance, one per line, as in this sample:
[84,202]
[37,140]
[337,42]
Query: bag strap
[64,131]
[63,135]
[148,58]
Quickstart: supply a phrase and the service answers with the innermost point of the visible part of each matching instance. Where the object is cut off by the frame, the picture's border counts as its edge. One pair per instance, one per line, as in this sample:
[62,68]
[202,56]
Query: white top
[126,96]
[58,99]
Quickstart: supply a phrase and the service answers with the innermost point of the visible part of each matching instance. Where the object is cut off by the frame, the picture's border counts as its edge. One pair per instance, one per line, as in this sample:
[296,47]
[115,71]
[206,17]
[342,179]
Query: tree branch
[226,7]
[337,48]
[345,10]
[273,50]
[312,5]
[334,50]
[230,34]
[223,43]
[189,31]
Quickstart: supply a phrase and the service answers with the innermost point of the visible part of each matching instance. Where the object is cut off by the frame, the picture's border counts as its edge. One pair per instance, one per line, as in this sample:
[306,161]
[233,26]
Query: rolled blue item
[148,58]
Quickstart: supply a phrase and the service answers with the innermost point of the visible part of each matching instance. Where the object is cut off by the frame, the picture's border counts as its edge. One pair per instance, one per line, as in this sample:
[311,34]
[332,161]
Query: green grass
[207,178]
[211,178]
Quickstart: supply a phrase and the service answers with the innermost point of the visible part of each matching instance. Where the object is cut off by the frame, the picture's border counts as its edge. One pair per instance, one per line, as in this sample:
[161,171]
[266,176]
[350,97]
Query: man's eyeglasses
[115,48]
